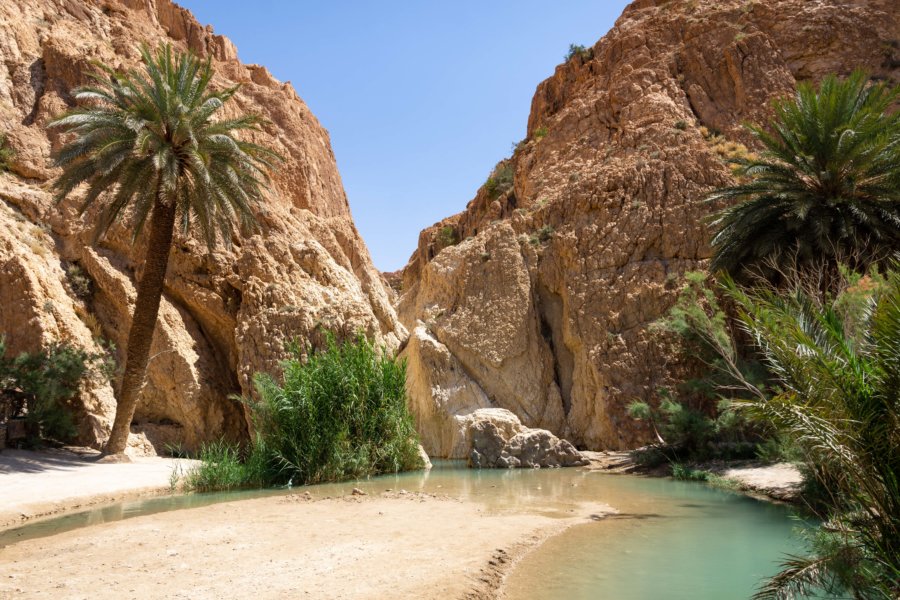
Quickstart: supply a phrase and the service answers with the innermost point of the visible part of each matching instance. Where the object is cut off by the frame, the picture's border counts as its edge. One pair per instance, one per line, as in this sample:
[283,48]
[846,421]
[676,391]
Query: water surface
[670,539]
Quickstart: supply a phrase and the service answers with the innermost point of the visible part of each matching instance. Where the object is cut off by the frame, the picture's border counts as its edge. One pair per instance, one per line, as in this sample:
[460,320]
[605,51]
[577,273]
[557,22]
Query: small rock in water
[358,492]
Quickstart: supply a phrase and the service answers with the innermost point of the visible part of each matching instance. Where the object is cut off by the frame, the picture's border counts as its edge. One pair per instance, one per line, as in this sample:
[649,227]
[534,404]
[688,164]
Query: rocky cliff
[225,315]
[539,296]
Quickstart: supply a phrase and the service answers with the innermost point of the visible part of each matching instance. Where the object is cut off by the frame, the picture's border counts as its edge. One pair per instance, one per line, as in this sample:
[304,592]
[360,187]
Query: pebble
[358,492]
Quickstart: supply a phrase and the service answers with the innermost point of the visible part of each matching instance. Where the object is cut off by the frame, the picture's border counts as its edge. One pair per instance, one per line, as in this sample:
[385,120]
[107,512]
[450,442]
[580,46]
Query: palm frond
[151,136]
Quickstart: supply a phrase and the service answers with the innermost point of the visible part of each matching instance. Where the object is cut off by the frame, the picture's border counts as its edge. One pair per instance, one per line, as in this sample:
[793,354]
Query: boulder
[498,440]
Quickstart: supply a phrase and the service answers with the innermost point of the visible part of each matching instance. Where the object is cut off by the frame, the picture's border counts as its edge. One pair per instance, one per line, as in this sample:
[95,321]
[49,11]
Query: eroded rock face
[225,315]
[546,304]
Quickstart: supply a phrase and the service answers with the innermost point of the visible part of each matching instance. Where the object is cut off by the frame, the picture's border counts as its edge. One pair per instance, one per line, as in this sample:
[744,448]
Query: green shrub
[339,414]
[544,234]
[695,420]
[579,51]
[540,133]
[6,153]
[79,281]
[500,181]
[685,431]
[47,380]
[223,468]
[447,236]
[683,473]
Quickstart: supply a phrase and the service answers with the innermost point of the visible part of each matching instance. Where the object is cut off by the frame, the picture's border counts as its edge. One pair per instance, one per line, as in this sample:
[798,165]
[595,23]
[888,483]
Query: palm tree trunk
[146,309]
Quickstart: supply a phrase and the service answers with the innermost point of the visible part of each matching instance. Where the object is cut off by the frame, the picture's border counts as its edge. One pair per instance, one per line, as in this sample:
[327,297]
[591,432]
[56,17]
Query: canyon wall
[226,314]
[539,297]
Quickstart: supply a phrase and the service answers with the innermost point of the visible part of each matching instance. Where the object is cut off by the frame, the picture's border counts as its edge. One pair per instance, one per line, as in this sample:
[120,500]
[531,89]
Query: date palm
[148,148]
[825,188]
[839,372]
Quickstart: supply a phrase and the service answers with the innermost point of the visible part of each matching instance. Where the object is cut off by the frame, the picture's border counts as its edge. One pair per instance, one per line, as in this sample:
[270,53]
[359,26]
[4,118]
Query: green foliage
[689,434]
[579,51]
[47,380]
[540,133]
[694,421]
[683,473]
[222,468]
[840,405]
[681,125]
[698,318]
[542,235]
[500,181]
[6,153]
[150,136]
[339,414]
[778,448]
[79,281]
[826,187]
[447,236]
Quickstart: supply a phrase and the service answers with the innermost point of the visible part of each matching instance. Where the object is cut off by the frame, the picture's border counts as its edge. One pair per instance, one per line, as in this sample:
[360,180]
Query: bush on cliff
[6,153]
[337,414]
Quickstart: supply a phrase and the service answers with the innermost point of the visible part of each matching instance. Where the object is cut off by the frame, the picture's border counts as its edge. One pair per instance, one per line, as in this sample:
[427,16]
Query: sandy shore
[40,484]
[391,545]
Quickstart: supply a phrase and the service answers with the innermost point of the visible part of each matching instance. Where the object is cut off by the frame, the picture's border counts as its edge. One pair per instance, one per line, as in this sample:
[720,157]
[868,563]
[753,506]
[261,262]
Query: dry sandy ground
[780,481]
[394,545]
[36,484]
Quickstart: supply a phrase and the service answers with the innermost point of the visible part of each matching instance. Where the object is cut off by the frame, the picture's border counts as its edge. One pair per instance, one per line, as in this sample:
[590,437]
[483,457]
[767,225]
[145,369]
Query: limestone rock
[426,460]
[544,307]
[498,440]
[225,314]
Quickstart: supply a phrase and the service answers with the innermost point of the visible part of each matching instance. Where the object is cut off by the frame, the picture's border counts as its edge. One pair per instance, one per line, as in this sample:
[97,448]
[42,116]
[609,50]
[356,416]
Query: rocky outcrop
[225,314]
[539,297]
[498,440]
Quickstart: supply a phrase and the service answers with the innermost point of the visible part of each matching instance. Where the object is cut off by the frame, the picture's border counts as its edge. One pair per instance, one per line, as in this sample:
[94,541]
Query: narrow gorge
[540,297]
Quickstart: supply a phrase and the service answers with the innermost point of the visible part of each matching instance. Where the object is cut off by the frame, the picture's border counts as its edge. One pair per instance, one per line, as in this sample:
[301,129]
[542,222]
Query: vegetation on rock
[500,181]
[147,145]
[6,153]
[579,51]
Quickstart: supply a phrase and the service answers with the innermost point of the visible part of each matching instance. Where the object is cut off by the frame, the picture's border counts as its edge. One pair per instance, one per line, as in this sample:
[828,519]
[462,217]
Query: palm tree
[148,148]
[839,369]
[825,188]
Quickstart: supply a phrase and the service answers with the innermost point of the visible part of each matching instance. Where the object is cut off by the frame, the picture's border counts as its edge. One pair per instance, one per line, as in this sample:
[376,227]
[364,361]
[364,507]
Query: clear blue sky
[421,98]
